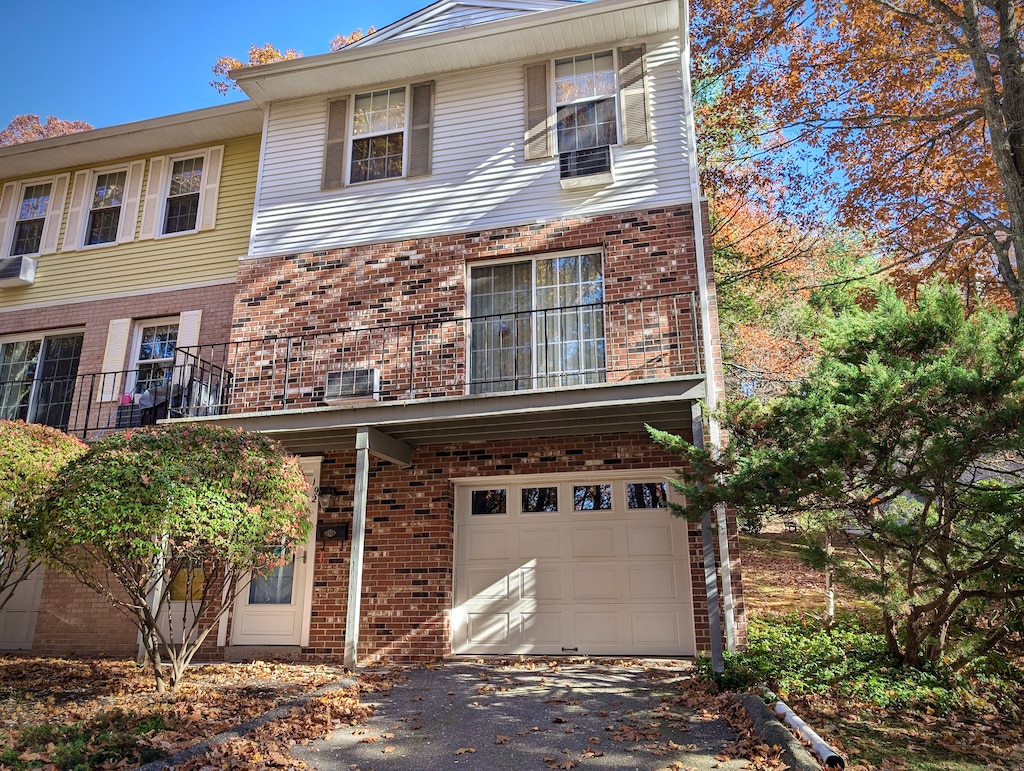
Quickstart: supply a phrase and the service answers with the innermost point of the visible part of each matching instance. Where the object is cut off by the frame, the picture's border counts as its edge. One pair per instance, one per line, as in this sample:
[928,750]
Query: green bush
[792,656]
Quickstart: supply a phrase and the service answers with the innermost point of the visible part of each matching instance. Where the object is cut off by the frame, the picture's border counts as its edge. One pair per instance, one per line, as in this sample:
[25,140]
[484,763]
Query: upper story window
[181,211]
[104,206]
[378,135]
[181,195]
[381,134]
[30,215]
[105,214]
[28,229]
[585,103]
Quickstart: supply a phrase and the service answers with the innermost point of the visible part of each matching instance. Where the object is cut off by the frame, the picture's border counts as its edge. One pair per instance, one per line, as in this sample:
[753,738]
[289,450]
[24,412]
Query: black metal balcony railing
[618,341]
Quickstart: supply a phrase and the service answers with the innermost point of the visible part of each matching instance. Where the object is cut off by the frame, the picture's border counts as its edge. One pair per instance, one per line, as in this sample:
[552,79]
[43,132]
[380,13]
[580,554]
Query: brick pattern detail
[74,621]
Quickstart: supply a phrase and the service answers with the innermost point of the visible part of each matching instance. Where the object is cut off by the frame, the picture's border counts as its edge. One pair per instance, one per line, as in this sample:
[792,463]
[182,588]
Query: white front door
[274,608]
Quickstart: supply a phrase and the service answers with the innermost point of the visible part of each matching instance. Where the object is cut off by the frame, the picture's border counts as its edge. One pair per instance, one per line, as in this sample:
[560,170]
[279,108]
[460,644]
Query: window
[647,495]
[537,323]
[105,212]
[591,101]
[538,499]
[378,135]
[181,196]
[585,102]
[592,497]
[489,502]
[182,210]
[153,358]
[37,378]
[31,217]
[388,135]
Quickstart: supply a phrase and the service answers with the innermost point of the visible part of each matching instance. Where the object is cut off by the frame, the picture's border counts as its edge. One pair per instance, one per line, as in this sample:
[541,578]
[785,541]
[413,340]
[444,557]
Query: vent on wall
[17,271]
[585,168]
[352,384]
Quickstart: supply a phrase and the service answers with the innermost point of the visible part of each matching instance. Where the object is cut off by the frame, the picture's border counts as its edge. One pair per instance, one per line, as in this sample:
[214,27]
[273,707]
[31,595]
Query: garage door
[571,565]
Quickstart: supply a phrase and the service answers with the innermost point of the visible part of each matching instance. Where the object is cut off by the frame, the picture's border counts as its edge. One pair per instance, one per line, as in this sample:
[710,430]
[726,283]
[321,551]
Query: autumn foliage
[904,119]
[182,511]
[27,128]
[267,54]
[31,457]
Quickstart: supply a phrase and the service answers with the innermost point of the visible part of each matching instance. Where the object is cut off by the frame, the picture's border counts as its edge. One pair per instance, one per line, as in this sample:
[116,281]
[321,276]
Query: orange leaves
[27,128]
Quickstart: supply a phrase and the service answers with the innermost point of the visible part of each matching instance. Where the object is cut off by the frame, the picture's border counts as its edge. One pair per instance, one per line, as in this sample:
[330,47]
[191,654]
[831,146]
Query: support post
[355,569]
[708,542]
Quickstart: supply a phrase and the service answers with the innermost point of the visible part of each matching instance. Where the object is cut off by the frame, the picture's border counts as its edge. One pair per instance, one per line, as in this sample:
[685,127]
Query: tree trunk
[830,583]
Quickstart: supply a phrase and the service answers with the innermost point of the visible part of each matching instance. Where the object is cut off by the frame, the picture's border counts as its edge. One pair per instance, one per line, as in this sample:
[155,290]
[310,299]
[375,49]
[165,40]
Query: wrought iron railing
[616,341]
[649,338]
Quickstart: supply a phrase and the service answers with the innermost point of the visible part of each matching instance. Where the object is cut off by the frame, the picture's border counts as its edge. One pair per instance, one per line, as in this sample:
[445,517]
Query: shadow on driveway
[495,716]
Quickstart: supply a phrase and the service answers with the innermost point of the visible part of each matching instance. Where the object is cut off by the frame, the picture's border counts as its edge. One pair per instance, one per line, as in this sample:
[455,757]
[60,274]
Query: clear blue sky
[125,60]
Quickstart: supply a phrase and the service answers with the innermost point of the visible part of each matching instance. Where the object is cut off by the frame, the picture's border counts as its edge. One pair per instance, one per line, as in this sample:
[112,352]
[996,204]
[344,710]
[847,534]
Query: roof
[396,54]
[449,14]
[147,137]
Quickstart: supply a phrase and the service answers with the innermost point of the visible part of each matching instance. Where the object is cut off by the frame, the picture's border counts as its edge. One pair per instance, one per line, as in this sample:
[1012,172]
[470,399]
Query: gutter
[711,395]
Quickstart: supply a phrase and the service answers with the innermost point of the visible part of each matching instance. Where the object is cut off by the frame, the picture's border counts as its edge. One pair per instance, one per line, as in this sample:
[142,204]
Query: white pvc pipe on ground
[829,756]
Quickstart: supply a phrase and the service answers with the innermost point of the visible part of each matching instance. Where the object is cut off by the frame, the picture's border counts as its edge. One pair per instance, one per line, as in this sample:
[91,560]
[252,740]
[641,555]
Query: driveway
[495,716]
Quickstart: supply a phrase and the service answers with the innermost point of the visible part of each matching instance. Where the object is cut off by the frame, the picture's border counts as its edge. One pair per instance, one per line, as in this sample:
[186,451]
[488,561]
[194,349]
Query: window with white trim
[537,323]
[181,211]
[105,208]
[31,217]
[381,134]
[182,193]
[153,353]
[585,103]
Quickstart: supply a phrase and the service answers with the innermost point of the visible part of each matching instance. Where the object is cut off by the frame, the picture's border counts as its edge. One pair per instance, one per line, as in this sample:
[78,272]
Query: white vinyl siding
[479,178]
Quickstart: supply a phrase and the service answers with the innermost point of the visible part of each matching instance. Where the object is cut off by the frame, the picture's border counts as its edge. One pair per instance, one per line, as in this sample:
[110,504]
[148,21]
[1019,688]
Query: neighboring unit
[117,247]
[477,267]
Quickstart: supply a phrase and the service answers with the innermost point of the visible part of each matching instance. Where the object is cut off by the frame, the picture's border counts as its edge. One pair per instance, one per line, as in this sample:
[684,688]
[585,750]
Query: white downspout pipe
[711,395]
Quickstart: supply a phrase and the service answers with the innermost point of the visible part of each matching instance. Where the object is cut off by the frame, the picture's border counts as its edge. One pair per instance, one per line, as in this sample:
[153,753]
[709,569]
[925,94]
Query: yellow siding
[205,257]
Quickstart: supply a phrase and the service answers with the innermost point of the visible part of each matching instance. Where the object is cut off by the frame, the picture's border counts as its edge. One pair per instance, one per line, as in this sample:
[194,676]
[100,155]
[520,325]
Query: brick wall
[75,621]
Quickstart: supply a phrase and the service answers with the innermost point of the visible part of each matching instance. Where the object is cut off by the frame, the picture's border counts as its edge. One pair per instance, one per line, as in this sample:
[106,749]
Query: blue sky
[126,60]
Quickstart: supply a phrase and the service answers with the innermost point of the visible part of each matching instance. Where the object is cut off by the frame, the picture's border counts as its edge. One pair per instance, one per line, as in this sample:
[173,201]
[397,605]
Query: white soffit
[148,137]
[544,33]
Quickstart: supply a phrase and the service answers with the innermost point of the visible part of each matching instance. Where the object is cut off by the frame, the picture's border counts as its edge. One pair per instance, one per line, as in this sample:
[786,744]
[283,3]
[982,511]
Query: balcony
[420,372]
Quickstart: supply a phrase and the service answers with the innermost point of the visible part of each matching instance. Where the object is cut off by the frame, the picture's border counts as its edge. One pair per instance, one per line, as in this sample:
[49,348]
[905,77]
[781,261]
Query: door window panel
[273,587]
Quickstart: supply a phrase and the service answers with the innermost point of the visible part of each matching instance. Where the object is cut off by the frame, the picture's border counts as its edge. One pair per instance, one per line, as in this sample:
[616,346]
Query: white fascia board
[406,58]
[146,137]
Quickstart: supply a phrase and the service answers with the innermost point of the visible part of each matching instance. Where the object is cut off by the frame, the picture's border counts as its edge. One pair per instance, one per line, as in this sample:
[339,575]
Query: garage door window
[647,495]
[592,497]
[489,502]
[540,499]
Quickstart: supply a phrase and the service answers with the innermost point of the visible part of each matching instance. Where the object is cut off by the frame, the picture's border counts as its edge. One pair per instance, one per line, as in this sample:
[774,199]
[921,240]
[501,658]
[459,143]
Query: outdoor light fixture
[328,497]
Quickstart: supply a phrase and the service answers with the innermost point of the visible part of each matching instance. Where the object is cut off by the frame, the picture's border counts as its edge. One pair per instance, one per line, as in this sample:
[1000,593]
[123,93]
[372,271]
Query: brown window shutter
[538,135]
[636,129]
[420,148]
[334,147]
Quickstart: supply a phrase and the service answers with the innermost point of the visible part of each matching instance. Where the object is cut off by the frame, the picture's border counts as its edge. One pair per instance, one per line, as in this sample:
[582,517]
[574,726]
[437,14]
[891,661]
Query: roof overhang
[544,33]
[147,137]
[584,410]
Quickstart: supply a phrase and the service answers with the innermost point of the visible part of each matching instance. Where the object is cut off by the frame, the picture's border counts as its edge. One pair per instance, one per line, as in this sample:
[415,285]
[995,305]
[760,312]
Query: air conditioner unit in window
[352,384]
[17,271]
[585,168]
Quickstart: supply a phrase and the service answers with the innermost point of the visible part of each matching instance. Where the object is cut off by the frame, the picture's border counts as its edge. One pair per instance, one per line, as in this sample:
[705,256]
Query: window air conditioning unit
[585,168]
[17,271]
[352,384]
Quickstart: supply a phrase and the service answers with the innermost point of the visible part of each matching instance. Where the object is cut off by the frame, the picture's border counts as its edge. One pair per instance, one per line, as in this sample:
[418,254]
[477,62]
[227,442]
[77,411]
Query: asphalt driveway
[495,716]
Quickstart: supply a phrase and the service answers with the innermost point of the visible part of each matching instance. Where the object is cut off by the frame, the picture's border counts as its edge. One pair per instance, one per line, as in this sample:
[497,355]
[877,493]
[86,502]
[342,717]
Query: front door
[273,608]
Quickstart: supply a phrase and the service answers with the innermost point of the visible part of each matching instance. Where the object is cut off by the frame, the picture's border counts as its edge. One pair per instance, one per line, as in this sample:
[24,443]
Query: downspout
[711,395]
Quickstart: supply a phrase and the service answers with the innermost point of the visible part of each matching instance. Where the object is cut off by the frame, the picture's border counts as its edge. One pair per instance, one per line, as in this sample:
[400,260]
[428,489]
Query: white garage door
[571,565]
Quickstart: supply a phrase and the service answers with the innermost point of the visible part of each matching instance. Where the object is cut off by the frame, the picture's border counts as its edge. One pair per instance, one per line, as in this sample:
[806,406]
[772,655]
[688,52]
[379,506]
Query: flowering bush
[31,457]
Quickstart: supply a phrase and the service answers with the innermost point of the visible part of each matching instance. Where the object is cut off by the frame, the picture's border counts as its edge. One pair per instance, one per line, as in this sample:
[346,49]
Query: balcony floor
[571,411]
